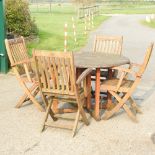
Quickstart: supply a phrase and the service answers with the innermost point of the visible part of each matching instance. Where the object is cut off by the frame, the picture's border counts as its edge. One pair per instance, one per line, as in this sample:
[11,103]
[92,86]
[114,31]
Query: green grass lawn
[128,9]
[51,29]
[151,24]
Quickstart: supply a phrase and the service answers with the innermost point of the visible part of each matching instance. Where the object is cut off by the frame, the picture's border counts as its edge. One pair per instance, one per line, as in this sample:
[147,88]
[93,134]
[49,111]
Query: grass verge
[51,29]
[151,24]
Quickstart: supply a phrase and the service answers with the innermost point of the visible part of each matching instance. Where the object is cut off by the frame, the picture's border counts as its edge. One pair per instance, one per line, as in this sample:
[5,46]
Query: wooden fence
[126,3]
[87,10]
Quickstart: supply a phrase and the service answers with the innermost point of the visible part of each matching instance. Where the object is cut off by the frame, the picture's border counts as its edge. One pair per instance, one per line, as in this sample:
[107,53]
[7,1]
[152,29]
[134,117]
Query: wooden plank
[61,126]
[98,60]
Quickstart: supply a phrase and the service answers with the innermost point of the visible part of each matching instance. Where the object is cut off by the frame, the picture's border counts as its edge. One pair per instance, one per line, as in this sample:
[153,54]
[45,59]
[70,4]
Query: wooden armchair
[123,87]
[22,66]
[108,45]
[57,80]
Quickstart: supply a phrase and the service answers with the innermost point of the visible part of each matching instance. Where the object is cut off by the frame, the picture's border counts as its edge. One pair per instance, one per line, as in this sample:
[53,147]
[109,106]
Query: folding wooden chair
[57,80]
[108,45]
[22,66]
[123,88]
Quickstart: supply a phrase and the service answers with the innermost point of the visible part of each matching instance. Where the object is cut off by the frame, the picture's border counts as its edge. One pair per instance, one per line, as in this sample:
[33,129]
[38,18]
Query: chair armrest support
[83,75]
[126,70]
[22,62]
[120,81]
[135,64]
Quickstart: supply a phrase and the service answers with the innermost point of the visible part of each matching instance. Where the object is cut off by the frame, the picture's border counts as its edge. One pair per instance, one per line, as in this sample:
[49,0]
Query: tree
[18,18]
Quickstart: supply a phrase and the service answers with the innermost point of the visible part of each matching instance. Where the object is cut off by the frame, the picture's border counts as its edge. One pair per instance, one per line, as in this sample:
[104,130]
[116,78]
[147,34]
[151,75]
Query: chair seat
[64,96]
[32,76]
[112,85]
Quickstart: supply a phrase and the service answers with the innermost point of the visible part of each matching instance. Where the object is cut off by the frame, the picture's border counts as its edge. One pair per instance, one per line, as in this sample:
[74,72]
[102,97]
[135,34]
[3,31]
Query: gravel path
[20,128]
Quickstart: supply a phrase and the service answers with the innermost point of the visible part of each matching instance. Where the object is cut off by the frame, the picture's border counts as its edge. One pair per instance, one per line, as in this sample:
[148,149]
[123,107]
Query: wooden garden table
[97,61]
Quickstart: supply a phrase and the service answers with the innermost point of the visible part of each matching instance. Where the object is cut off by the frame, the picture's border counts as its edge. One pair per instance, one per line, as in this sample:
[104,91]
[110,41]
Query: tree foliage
[18,18]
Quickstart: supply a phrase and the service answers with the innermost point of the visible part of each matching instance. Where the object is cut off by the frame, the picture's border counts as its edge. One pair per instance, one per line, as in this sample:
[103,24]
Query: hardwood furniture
[97,61]
[123,87]
[57,80]
[22,66]
[108,45]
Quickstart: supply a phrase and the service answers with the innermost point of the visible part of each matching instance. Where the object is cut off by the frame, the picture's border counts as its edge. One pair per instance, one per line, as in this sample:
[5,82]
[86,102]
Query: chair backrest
[108,44]
[55,71]
[146,59]
[17,52]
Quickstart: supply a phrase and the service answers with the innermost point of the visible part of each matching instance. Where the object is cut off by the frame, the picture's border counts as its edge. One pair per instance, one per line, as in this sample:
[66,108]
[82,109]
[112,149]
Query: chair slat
[56,72]
[51,70]
[65,73]
[46,71]
[108,44]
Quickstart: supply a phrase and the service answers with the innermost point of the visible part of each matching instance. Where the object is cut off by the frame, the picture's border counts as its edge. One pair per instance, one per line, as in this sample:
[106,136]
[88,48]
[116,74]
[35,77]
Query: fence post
[74,30]
[65,37]
[92,20]
[89,20]
[85,24]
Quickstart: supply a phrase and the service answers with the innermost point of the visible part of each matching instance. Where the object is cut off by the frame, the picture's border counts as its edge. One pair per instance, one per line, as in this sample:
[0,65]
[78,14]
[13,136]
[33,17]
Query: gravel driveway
[20,128]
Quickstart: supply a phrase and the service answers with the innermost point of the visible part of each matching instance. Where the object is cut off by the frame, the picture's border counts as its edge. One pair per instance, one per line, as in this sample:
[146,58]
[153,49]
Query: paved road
[136,38]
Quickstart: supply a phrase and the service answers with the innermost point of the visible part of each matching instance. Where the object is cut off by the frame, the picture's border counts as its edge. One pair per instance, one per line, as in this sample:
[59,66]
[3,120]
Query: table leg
[109,104]
[55,106]
[88,86]
[97,95]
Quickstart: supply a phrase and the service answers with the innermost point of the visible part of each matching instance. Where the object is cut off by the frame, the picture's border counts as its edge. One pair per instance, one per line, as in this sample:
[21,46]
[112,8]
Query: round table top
[98,60]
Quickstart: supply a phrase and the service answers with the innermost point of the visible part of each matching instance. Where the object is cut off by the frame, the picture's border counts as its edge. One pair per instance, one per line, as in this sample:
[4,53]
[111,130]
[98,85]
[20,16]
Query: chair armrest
[83,75]
[135,64]
[22,62]
[123,75]
[127,70]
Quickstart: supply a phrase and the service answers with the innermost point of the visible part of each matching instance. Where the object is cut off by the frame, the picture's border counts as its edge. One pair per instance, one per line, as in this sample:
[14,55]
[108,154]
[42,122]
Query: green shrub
[18,18]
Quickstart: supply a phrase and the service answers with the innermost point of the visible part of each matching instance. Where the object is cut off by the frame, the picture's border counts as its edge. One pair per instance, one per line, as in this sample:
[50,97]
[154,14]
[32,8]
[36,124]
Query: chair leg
[134,105]
[76,123]
[55,106]
[25,96]
[84,117]
[28,91]
[130,114]
[110,113]
[35,102]
[80,108]
[36,92]
[51,111]
[32,98]
[21,101]
[46,116]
